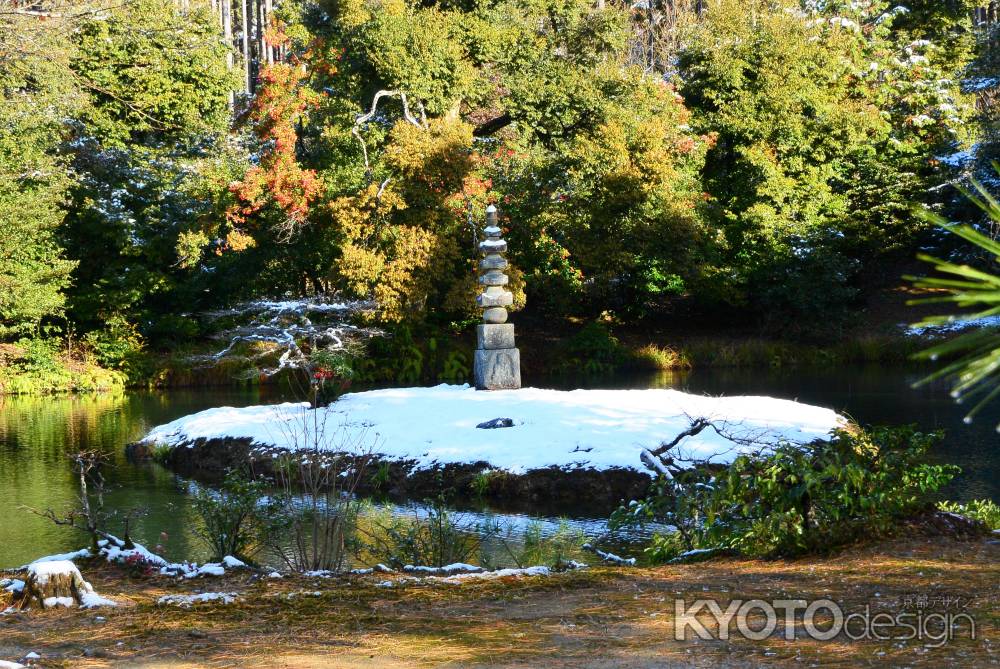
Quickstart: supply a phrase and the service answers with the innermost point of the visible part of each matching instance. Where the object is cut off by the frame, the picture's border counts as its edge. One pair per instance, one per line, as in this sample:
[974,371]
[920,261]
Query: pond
[36,433]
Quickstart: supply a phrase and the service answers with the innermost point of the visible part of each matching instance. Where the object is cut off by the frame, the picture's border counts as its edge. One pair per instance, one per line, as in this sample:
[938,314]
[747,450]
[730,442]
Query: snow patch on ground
[186,601]
[4,664]
[14,585]
[598,429]
[489,575]
[140,554]
[455,568]
[92,600]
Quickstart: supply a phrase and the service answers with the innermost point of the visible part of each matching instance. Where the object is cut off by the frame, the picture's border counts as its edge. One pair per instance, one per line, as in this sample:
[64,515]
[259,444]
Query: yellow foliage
[239,241]
[437,159]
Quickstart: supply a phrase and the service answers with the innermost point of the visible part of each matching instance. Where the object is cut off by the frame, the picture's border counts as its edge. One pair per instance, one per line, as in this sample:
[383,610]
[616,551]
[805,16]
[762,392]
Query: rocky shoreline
[577,489]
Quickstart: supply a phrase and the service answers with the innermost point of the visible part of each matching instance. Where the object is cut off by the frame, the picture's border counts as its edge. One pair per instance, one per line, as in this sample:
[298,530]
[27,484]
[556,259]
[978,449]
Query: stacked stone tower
[498,362]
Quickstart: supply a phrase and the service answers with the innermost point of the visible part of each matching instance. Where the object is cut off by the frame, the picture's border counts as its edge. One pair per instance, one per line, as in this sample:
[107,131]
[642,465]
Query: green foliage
[766,170]
[665,547]
[831,128]
[153,70]
[38,366]
[408,355]
[234,518]
[37,93]
[984,511]
[797,498]
[117,345]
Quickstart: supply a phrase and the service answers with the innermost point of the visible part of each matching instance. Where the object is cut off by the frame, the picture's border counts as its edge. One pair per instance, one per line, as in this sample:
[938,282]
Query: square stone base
[493,336]
[498,369]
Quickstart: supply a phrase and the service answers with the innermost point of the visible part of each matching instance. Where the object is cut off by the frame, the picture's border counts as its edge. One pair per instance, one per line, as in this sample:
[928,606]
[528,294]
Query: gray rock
[493,246]
[494,278]
[492,261]
[496,423]
[495,315]
[492,337]
[498,369]
[504,299]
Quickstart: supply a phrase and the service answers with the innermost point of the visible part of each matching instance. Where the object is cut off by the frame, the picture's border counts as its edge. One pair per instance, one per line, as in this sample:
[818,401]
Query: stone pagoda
[498,362]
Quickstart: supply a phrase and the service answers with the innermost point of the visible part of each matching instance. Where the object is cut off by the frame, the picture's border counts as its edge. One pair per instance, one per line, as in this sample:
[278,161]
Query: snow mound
[597,429]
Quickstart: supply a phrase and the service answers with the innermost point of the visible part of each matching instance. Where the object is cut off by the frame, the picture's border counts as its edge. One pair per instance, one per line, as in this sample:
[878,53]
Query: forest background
[680,181]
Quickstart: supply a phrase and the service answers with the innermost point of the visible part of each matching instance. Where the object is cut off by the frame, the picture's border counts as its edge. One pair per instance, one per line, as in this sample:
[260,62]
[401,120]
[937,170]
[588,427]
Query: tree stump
[56,583]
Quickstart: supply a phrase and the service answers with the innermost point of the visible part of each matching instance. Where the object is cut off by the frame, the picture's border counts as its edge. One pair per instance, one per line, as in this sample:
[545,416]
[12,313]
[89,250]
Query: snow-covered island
[428,429]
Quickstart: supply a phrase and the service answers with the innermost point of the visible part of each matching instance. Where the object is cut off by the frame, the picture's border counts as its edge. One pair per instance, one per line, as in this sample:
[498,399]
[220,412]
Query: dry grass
[601,617]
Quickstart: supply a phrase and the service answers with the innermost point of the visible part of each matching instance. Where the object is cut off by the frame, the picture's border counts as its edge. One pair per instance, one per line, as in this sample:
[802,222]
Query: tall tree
[37,92]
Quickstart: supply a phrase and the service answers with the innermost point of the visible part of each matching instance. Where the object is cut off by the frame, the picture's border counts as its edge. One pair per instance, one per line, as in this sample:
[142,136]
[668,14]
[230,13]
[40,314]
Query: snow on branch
[668,459]
[293,330]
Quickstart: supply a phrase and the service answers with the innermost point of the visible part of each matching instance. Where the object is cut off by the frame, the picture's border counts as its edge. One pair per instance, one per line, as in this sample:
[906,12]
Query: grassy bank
[36,368]
[597,617]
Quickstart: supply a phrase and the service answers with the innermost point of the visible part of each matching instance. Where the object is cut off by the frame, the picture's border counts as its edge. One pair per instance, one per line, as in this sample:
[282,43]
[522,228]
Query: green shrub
[982,510]
[118,345]
[796,498]
[438,539]
[234,518]
[592,350]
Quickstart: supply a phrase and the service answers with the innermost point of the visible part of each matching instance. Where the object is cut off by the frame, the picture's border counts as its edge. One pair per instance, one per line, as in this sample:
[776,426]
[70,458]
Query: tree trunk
[261,43]
[227,33]
[245,20]
[53,584]
[268,8]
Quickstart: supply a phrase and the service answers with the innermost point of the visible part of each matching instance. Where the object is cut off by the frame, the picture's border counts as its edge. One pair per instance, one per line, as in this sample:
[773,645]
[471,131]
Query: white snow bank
[140,555]
[4,664]
[570,429]
[207,569]
[185,601]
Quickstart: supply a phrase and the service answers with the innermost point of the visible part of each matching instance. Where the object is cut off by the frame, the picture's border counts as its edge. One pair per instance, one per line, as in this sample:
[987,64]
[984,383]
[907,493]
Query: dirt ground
[598,617]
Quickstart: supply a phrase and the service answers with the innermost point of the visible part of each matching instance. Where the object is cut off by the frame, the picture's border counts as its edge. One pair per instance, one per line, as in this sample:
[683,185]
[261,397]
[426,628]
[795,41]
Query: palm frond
[974,366]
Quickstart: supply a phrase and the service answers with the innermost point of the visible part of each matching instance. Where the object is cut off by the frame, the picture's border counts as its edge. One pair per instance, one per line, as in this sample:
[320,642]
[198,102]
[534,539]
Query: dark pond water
[37,433]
